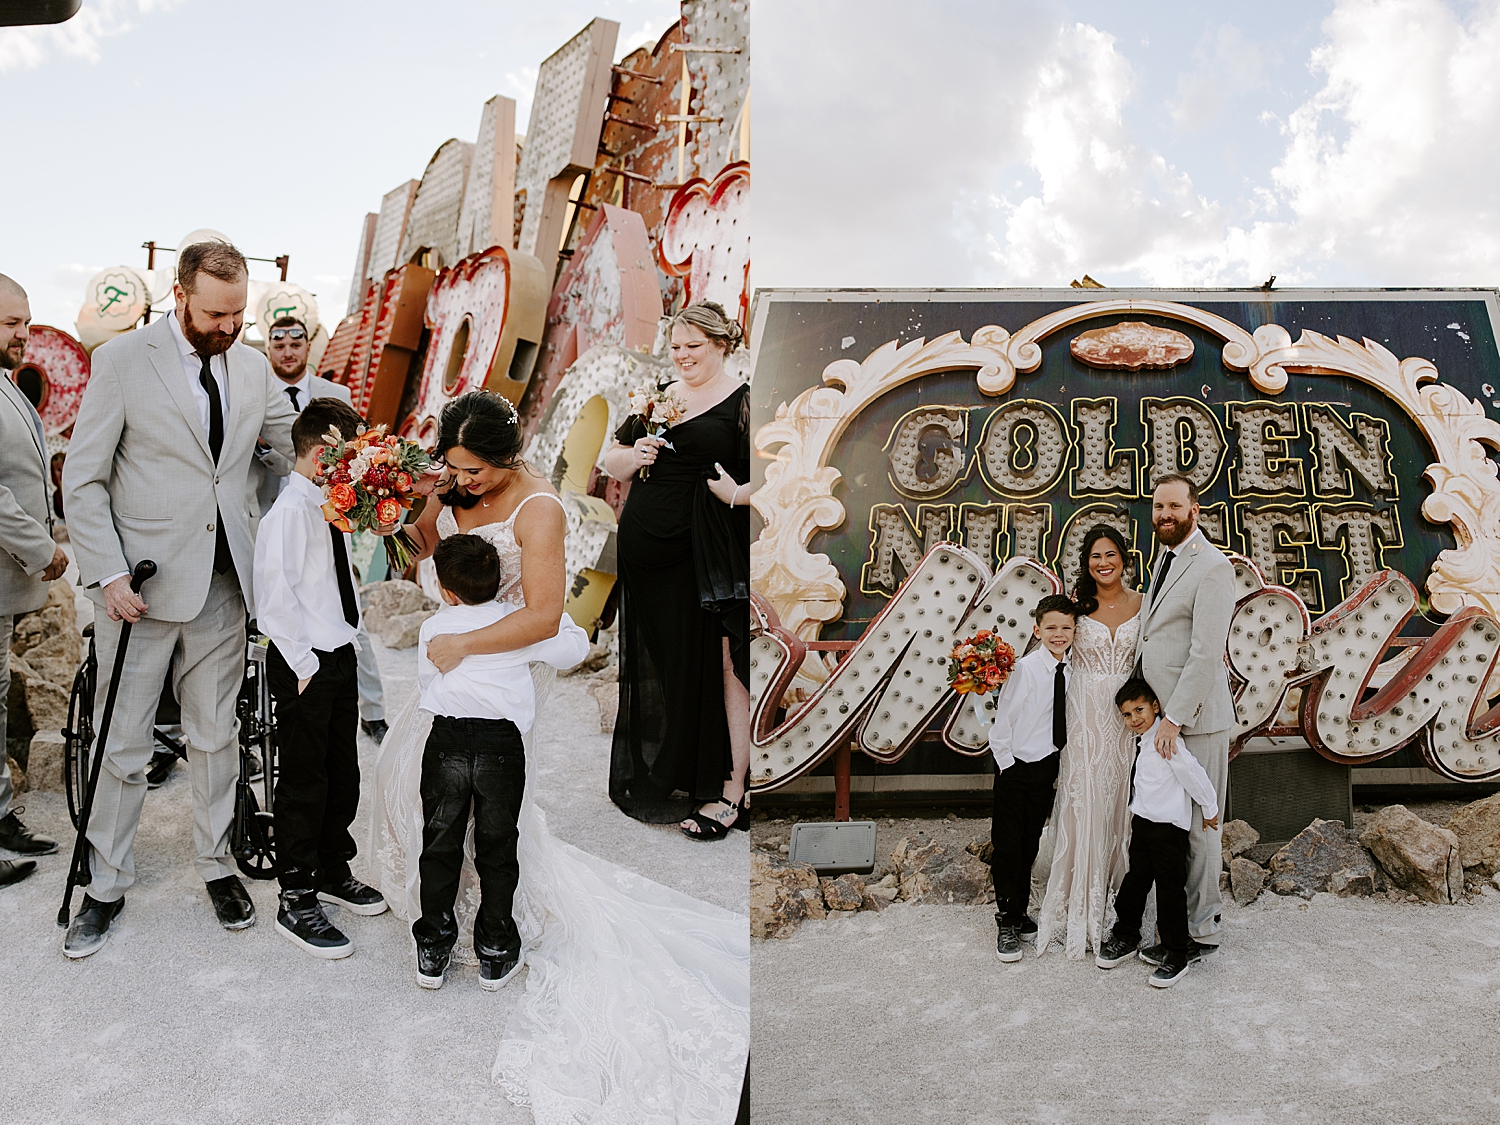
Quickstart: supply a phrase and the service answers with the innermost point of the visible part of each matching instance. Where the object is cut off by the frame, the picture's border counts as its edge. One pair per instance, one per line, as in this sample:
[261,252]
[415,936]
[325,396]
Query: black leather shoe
[353,895]
[18,838]
[431,965]
[1112,952]
[231,903]
[159,768]
[302,922]
[14,870]
[496,972]
[375,728]
[90,928]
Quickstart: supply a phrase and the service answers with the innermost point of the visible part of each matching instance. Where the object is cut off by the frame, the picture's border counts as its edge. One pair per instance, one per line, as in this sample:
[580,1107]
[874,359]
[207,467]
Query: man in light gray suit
[288,344]
[158,468]
[1184,631]
[29,559]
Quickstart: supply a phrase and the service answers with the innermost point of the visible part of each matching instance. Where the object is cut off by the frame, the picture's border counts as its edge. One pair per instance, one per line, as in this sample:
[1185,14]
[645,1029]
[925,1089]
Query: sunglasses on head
[289,333]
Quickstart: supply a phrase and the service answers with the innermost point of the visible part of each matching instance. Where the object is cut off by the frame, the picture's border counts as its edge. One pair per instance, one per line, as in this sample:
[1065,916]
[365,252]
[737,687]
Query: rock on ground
[18,780]
[1421,857]
[394,598]
[930,872]
[1238,838]
[1477,827]
[1246,880]
[1325,857]
[782,895]
[847,892]
[404,629]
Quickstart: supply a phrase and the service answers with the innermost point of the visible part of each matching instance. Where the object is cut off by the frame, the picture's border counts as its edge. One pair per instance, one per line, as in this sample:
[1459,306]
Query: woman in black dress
[682,737]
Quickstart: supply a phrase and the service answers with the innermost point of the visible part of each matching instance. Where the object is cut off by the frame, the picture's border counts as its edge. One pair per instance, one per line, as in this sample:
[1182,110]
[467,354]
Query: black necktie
[1133,763]
[346,580]
[291,393]
[1060,706]
[1161,575]
[223,560]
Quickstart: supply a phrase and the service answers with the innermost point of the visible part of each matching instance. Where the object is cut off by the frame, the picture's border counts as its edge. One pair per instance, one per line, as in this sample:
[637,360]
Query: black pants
[1022,803]
[1159,854]
[478,762]
[317,786]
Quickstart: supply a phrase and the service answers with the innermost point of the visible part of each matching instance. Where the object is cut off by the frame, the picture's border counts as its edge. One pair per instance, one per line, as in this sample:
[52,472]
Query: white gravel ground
[1340,1010]
[177,1021]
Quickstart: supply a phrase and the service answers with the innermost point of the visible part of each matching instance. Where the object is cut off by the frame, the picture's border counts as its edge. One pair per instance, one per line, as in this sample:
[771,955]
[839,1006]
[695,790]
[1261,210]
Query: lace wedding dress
[636,1008]
[1090,818]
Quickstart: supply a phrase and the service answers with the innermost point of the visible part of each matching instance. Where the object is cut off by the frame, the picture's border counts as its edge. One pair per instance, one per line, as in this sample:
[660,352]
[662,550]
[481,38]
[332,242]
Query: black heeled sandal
[711,828]
[742,822]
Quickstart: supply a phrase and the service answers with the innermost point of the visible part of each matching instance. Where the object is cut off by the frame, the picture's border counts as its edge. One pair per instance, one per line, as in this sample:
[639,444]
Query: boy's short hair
[1055,603]
[318,417]
[468,567]
[1133,689]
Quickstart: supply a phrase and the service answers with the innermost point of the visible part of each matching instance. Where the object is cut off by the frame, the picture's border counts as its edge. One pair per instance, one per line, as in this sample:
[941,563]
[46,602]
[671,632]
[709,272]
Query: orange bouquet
[368,484]
[980,664]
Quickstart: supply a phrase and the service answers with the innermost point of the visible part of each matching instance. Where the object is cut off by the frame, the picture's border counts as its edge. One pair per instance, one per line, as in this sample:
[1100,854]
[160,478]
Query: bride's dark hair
[486,425]
[1086,590]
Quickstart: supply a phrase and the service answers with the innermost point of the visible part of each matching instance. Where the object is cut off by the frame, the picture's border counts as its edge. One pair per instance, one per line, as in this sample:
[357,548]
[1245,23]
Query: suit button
[210,527]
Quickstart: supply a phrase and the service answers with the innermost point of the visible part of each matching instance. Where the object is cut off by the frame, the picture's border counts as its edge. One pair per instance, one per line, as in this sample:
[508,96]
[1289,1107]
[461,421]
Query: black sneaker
[495,972]
[375,728]
[1027,931]
[431,965]
[1201,952]
[232,904]
[1155,954]
[1173,968]
[1008,943]
[302,922]
[159,768]
[18,838]
[1113,951]
[90,928]
[353,895]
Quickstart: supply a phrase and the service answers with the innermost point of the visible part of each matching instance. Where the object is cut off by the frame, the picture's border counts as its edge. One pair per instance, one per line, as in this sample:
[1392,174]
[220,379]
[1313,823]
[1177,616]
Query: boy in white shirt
[1028,731]
[1163,790]
[474,756]
[307,606]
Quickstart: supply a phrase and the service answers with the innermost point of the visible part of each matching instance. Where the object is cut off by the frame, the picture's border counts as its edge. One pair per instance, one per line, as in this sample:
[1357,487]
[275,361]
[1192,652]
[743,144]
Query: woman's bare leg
[737,710]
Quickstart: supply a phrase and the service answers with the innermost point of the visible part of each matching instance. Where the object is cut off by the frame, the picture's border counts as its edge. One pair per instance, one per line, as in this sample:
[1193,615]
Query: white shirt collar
[184,348]
[300,483]
[302,386]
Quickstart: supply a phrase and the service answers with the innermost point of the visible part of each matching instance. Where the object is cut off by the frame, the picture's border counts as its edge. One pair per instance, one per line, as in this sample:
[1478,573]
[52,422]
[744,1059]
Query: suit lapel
[234,379]
[28,414]
[168,363]
[1181,564]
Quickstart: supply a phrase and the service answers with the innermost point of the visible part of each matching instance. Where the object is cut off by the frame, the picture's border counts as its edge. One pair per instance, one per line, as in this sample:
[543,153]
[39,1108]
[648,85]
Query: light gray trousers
[367,676]
[7,628]
[206,657]
[1205,845]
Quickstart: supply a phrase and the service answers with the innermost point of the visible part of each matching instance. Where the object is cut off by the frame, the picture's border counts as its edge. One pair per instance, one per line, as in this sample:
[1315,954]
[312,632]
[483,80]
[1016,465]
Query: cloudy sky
[279,122]
[996,142]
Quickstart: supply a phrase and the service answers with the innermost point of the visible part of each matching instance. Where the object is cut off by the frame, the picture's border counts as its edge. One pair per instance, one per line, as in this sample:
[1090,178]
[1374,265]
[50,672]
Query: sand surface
[178,1021]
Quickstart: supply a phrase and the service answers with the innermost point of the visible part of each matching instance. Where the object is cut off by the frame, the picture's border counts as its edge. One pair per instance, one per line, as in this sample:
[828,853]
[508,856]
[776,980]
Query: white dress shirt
[298,604]
[492,685]
[192,366]
[1165,788]
[1022,730]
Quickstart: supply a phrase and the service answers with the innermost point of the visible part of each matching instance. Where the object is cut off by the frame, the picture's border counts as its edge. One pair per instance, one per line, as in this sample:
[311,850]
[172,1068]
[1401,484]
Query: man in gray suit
[158,468]
[1184,631]
[288,344]
[29,559]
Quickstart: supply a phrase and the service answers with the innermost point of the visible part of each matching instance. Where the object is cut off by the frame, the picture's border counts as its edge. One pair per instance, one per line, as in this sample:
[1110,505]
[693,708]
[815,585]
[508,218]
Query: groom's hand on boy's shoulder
[1166,738]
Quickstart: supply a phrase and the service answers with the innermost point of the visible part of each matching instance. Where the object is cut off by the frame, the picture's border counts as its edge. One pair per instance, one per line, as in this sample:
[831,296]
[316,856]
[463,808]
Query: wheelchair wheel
[252,846]
[78,738]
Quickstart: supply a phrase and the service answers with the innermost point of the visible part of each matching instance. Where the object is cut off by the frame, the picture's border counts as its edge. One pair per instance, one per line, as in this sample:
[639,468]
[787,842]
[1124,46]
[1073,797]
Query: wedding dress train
[636,1008]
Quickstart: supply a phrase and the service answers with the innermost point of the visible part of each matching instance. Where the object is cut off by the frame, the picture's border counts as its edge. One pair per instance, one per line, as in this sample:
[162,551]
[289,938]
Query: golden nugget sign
[946,481]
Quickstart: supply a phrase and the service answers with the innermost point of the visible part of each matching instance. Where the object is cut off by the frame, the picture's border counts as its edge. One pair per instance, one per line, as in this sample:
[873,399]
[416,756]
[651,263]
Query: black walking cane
[78,871]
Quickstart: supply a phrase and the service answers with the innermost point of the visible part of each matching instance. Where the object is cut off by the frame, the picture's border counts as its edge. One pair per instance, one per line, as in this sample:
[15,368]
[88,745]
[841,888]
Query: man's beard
[12,357]
[1181,529]
[290,376]
[457,497]
[204,343]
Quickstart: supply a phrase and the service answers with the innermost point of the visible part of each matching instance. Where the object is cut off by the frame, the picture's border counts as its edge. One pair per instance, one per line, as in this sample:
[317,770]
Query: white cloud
[1225,63]
[79,37]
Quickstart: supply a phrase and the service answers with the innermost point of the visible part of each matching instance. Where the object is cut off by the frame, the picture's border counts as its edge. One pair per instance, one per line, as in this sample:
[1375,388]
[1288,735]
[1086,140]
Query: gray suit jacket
[1183,636]
[26,545]
[140,481]
[267,472]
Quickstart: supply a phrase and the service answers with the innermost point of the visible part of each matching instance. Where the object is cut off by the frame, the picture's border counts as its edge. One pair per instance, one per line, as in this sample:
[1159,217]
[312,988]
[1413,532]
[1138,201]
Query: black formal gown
[684,573]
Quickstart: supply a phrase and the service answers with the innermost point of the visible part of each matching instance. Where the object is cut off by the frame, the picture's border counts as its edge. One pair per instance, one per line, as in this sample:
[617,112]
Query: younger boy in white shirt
[1162,794]
[306,604]
[474,757]
[1029,730]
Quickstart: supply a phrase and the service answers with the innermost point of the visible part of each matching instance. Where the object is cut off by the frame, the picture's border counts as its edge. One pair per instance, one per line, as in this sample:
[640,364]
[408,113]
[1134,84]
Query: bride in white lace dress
[1090,817]
[637,997]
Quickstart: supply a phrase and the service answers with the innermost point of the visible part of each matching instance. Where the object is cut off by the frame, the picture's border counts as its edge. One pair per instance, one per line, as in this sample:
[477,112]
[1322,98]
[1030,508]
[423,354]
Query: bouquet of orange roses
[368,484]
[658,408]
[980,664]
